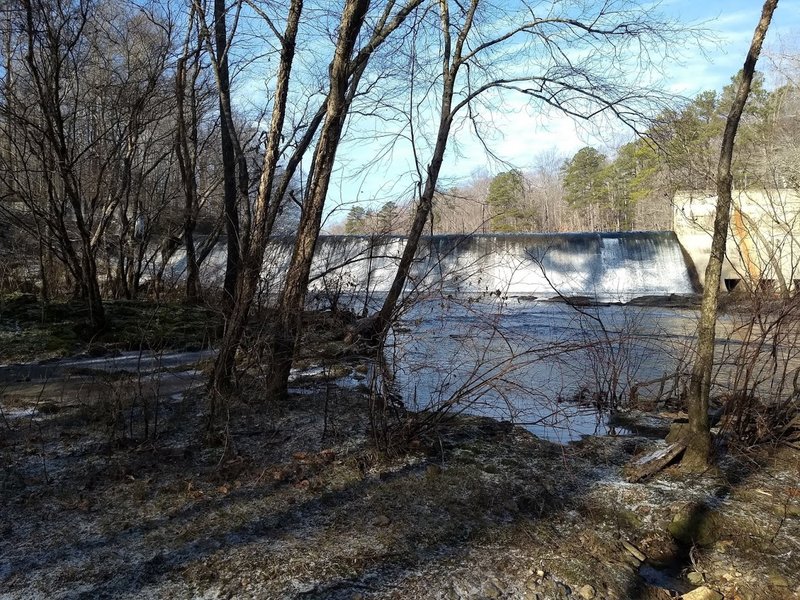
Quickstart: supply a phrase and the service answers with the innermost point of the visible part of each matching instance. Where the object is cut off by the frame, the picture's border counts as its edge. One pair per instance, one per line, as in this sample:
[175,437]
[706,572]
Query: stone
[381,521]
[696,578]
[778,580]
[633,551]
[702,593]
[564,589]
[452,594]
[587,592]
[492,589]
[694,525]
[433,471]
[539,573]
[792,510]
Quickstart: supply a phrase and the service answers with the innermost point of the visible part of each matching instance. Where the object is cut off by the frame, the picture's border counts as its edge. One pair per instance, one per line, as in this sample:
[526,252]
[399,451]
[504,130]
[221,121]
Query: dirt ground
[290,500]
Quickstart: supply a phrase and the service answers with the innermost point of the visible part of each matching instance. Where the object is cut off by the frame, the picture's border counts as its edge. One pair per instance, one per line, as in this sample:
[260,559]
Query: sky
[521,135]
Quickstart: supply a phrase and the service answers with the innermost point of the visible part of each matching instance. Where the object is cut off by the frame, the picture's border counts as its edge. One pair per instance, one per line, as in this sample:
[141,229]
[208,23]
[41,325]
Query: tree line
[632,187]
[126,139]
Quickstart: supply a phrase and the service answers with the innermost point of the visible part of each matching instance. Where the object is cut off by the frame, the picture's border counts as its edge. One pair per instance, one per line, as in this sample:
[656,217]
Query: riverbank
[290,500]
[113,485]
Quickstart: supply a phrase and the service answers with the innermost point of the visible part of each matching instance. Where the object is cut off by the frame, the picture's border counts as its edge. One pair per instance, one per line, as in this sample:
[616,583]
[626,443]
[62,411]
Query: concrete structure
[613,266]
[763,247]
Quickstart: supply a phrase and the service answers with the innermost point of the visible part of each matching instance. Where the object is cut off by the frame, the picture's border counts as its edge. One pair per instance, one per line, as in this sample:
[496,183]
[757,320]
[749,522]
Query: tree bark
[250,267]
[229,158]
[698,451]
[290,308]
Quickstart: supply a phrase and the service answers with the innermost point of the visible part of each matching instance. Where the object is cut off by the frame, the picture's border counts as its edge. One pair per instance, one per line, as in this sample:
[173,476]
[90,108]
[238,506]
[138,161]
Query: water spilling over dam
[614,266]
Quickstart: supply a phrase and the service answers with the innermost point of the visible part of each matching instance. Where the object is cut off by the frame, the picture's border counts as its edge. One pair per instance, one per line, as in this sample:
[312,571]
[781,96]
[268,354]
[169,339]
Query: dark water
[539,364]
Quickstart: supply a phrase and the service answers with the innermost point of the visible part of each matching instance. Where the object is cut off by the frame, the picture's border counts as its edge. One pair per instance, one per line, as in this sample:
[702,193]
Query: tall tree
[698,451]
[355,220]
[290,307]
[505,198]
[585,184]
[93,94]
[331,115]
[265,213]
[475,41]
[187,71]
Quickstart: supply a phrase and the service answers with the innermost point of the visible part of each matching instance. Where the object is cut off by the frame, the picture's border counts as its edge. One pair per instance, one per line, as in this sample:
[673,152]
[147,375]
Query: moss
[695,525]
[31,330]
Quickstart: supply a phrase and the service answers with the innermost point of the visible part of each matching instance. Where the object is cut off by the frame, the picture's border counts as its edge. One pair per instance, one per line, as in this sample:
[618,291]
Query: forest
[204,395]
[631,187]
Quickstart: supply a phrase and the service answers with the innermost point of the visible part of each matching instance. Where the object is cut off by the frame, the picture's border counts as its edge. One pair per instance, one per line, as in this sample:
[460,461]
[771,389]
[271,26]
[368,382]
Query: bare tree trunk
[186,151]
[698,450]
[250,267]
[451,63]
[229,159]
[268,202]
[292,302]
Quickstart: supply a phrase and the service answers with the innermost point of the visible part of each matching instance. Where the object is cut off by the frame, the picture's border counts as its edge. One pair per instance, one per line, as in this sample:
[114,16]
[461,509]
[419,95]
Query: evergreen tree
[506,202]
[387,216]
[355,220]
[584,182]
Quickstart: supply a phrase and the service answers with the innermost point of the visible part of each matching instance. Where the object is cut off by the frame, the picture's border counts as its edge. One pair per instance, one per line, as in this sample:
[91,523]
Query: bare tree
[345,73]
[698,450]
[250,268]
[187,72]
[90,78]
[330,117]
[474,56]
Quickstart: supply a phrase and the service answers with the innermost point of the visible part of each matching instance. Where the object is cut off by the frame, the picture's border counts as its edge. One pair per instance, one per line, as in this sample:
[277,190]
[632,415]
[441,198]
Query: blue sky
[522,135]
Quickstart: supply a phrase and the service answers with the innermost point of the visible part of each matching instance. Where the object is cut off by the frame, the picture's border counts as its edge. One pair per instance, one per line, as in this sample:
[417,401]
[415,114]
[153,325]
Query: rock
[702,593]
[588,592]
[381,521]
[452,594]
[694,525]
[304,588]
[539,573]
[633,551]
[778,580]
[492,589]
[788,510]
[696,578]
[433,471]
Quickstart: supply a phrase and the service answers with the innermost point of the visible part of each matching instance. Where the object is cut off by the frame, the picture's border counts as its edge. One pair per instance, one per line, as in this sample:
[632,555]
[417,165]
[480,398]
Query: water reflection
[554,368]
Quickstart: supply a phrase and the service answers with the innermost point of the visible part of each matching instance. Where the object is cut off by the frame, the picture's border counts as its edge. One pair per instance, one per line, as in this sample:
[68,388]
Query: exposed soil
[290,500]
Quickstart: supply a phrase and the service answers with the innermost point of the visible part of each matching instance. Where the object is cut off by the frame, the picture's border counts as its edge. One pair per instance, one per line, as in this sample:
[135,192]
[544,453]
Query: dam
[610,267]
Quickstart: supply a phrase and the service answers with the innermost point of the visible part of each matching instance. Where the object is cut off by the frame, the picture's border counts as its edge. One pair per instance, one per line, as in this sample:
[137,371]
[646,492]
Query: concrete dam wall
[608,266]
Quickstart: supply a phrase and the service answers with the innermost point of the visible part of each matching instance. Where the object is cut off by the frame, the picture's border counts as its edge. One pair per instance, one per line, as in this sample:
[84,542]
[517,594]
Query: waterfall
[614,266]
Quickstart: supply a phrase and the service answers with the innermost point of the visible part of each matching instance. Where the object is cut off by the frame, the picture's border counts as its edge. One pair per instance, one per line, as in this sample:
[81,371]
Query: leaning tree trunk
[698,451]
[265,211]
[290,308]
[451,64]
